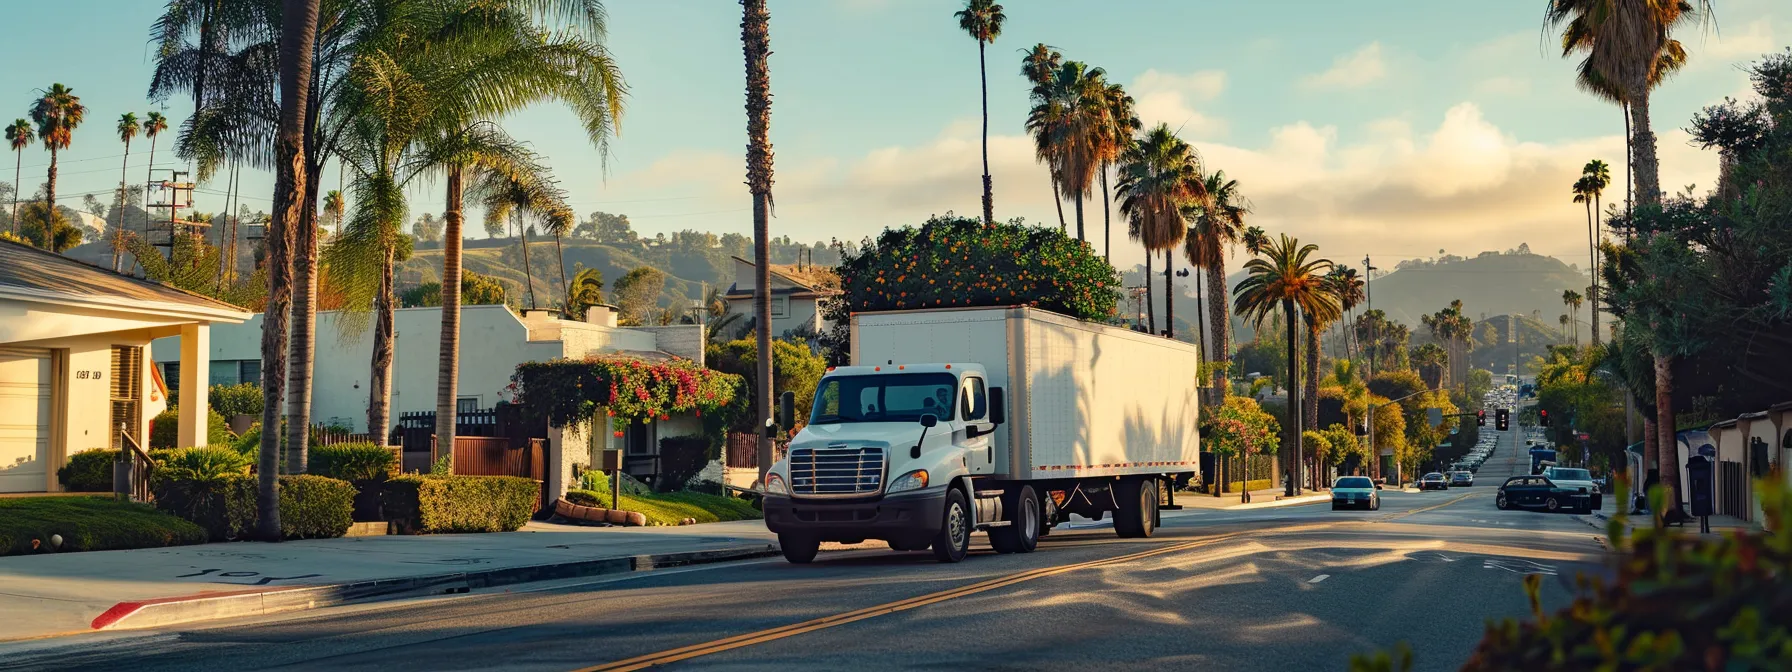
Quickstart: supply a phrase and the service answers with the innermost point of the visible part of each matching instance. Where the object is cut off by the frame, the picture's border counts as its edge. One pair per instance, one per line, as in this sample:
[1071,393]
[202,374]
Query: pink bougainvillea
[568,391]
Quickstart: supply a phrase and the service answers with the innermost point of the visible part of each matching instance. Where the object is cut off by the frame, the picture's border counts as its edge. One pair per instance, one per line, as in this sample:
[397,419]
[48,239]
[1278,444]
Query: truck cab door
[976,433]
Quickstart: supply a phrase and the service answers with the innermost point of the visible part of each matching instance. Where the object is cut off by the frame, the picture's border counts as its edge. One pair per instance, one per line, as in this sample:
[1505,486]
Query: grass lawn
[89,524]
[671,507]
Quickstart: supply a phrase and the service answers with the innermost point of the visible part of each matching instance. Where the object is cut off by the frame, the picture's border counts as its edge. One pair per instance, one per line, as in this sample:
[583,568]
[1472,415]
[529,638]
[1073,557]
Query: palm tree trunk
[522,230]
[1629,166]
[1668,451]
[1291,447]
[755,37]
[1058,200]
[989,204]
[18,165]
[565,290]
[1200,324]
[1169,294]
[379,384]
[1593,264]
[1648,168]
[50,194]
[304,334]
[1107,214]
[124,172]
[299,30]
[448,361]
[1150,304]
[149,174]
[1222,322]
[1310,400]
[1079,218]
[1651,453]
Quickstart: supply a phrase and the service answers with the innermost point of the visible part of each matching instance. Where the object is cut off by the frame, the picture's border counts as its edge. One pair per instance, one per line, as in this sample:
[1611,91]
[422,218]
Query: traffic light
[1542,418]
[1481,418]
[1502,419]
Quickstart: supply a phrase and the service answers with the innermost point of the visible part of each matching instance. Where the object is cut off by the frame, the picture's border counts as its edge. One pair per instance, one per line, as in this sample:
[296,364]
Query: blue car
[1355,492]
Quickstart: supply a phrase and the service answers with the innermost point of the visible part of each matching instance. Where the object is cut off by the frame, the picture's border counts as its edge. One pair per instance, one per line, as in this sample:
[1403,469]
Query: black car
[1537,492]
[1434,481]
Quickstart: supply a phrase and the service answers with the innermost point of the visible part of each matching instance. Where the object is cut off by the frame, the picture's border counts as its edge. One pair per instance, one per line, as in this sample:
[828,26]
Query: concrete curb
[209,606]
[1294,501]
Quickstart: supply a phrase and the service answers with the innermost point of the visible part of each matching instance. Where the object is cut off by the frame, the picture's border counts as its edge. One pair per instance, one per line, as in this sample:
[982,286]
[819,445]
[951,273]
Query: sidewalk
[1719,524]
[1260,499]
[65,593]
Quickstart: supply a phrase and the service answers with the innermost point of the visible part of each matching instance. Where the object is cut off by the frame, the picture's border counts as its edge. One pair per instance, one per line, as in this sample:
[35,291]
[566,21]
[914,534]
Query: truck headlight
[774,485]
[914,480]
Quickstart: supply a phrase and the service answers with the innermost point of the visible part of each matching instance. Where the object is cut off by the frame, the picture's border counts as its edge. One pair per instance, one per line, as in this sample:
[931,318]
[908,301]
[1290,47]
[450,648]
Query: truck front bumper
[907,516]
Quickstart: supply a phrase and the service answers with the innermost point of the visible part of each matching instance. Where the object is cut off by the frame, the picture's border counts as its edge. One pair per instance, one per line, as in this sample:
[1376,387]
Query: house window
[639,438]
[465,405]
[224,373]
[780,306]
[127,392]
[171,378]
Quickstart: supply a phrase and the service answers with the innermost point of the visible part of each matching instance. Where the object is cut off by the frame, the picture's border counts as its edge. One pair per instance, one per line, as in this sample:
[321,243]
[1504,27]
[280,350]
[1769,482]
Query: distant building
[795,303]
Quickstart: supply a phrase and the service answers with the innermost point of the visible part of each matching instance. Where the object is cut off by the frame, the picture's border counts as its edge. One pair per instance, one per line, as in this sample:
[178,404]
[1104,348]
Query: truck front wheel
[1137,515]
[1021,535]
[953,541]
[798,549]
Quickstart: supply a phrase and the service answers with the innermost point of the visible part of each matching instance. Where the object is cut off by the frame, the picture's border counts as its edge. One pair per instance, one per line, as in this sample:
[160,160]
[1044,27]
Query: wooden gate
[499,456]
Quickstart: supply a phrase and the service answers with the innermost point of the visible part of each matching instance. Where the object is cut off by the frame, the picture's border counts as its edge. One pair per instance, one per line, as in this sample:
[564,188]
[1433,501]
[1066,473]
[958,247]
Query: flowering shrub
[1241,427]
[568,391]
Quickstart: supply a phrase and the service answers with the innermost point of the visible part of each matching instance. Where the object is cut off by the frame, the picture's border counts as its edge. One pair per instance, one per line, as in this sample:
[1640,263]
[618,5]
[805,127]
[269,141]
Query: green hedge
[310,506]
[164,430]
[89,524]
[234,400]
[315,507]
[438,504]
[88,471]
[670,508]
[353,461]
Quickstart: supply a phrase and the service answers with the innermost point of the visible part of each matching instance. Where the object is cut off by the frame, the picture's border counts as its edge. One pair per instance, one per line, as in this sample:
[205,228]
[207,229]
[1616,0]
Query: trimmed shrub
[315,507]
[88,471]
[164,430]
[224,505]
[438,504]
[681,458]
[89,524]
[353,461]
[234,400]
[203,464]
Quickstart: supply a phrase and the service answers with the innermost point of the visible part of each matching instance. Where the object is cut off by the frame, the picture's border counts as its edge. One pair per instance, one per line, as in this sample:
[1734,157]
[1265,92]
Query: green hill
[1491,284]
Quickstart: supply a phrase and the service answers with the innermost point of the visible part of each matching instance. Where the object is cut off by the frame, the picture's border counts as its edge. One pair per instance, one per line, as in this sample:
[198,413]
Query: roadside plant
[568,391]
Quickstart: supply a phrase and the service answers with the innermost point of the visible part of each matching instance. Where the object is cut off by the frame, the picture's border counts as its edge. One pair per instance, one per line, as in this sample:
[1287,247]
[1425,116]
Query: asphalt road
[1288,588]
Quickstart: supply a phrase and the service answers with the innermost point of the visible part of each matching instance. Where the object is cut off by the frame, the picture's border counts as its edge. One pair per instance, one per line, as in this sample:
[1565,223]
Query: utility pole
[1369,294]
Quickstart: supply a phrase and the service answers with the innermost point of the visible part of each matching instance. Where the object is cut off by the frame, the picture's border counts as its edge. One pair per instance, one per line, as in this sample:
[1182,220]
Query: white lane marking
[1319,578]
[1516,566]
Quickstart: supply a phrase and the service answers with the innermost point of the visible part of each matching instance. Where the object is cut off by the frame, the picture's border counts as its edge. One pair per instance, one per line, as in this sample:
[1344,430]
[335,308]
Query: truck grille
[836,471]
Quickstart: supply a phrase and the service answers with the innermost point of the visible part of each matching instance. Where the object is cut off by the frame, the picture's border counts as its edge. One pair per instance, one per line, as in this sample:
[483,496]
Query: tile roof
[28,268]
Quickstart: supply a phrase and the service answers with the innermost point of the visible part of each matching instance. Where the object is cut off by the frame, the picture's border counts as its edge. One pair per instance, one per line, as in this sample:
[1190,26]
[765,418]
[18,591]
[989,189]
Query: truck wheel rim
[1029,520]
[955,525]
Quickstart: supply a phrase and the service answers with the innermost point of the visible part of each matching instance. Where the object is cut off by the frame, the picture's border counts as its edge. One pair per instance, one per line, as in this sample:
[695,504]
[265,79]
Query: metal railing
[130,474]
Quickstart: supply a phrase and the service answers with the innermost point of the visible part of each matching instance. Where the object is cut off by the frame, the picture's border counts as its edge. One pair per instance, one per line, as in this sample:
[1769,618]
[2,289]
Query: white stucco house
[795,304]
[493,341]
[74,366]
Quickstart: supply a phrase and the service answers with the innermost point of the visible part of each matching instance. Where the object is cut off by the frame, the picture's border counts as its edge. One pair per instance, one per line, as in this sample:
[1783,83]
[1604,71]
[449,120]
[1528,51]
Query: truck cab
[889,452]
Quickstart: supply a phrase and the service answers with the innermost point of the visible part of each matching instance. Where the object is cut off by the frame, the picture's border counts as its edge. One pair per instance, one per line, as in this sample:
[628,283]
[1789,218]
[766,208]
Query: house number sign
[90,375]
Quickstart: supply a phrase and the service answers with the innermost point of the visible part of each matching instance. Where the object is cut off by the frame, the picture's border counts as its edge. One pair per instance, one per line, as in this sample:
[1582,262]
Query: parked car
[1355,491]
[1461,479]
[1434,481]
[1538,492]
[1579,479]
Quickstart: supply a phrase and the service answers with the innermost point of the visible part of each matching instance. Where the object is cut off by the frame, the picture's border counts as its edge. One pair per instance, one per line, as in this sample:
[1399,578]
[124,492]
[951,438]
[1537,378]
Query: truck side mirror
[929,420]
[998,405]
[786,410]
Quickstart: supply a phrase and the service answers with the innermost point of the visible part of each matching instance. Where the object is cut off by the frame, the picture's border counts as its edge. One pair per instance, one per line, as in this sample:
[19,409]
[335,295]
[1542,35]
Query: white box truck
[1006,420]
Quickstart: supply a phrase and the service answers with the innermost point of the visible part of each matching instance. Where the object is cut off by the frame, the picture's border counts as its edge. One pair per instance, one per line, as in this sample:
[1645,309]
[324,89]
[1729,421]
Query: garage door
[24,420]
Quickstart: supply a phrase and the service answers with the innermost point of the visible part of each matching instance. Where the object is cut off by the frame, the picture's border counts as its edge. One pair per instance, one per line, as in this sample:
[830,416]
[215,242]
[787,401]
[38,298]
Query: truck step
[989,493]
[998,523]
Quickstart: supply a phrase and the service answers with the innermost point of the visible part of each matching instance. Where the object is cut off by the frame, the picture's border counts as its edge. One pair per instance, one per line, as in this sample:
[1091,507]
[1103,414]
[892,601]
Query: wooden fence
[497,456]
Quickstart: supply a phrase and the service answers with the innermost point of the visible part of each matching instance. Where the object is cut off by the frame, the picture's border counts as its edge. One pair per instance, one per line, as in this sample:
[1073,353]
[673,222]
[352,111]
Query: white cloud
[1169,98]
[1749,43]
[1354,70]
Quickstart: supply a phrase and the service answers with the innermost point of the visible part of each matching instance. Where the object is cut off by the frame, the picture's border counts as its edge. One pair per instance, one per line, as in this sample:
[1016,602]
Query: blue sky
[1394,127]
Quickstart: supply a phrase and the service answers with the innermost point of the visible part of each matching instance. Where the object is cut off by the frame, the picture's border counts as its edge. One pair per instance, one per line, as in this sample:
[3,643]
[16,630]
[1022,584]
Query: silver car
[1355,492]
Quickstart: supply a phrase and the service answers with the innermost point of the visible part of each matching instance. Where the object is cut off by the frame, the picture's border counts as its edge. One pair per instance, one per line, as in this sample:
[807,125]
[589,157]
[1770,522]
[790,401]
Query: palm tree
[1255,241]
[1348,286]
[755,37]
[334,209]
[1068,119]
[153,125]
[1563,319]
[1598,176]
[1572,299]
[1218,225]
[57,111]
[559,221]
[982,19]
[1287,277]
[586,290]
[127,129]
[1117,136]
[1037,66]
[1317,317]
[19,135]
[299,32]
[518,195]
[1160,176]
[1628,51]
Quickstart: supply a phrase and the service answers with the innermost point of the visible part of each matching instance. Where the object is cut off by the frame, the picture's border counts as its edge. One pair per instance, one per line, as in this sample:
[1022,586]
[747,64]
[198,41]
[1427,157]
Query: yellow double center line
[825,622]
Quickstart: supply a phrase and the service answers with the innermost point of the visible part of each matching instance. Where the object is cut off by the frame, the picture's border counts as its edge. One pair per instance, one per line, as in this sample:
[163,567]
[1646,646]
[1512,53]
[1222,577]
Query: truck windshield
[890,397]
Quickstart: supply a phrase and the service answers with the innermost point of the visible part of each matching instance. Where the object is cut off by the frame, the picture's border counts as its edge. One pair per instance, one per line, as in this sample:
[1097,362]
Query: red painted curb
[122,610]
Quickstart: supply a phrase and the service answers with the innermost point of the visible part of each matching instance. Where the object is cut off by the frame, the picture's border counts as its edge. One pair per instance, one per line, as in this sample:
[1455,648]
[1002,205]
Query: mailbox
[612,460]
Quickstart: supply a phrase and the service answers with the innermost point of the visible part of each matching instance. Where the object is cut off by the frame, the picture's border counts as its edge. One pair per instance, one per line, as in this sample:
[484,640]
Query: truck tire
[1022,535]
[1137,515]
[953,541]
[798,550]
